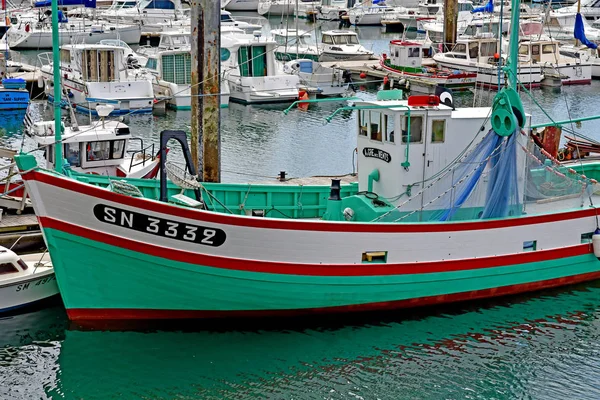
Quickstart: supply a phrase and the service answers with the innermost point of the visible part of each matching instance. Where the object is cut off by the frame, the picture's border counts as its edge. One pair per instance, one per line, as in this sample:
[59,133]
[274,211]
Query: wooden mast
[450,22]
[206,99]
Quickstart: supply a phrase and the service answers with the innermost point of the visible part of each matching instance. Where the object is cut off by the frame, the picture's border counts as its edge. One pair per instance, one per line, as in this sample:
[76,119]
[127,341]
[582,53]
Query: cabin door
[435,153]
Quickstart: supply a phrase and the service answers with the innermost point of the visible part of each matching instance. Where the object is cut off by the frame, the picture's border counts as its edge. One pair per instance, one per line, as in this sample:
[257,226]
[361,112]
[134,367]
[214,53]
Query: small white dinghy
[25,280]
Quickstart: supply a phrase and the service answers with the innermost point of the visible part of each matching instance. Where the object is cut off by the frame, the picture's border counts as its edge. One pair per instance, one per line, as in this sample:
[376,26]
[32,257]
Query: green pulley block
[508,113]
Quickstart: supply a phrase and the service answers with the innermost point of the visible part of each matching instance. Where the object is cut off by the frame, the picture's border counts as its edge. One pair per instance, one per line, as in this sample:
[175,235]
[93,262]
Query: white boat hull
[266,89]
[20,39]
[242,5]
[31,289]
[132,96]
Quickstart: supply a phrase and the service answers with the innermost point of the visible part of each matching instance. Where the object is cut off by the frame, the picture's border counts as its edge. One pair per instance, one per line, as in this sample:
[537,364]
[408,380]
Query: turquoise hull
[115,282]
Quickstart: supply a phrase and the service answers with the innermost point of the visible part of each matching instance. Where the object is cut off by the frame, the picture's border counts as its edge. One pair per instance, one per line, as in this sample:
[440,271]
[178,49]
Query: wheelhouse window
[523,50]
[414,52]
[71,153]
[252,60]
[118,147]
[345,39]
[460,48]
[327,39]
[151,63]
[474,50]
[388,123]
[363,122]
[438,127]
[488,49]
[7,268]
[105,150]
[376,127]
[416,129]
[548,49]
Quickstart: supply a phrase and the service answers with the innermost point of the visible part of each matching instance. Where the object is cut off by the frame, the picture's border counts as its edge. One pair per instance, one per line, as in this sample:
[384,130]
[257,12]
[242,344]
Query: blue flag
[488,8]
[580,33]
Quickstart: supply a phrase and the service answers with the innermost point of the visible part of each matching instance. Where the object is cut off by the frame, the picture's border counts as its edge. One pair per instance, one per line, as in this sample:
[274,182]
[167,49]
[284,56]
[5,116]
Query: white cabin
[394,160]
[99,72]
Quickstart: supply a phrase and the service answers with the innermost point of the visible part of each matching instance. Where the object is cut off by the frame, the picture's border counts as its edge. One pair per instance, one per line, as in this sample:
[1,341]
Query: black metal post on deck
[206,99]
[450,22]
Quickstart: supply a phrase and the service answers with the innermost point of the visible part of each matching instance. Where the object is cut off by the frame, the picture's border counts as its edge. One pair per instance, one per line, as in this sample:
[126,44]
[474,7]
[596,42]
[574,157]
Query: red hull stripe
[96,314]
[314,269]
[322,226]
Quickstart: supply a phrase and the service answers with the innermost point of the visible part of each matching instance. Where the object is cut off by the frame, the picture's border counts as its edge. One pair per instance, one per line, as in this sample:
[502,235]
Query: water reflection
[543,346]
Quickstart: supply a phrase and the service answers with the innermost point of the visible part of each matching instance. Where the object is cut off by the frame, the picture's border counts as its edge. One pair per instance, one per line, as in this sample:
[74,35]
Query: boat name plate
[159,226]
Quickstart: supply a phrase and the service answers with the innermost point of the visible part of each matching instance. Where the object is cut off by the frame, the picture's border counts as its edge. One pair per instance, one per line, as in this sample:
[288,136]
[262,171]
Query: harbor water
[540,346]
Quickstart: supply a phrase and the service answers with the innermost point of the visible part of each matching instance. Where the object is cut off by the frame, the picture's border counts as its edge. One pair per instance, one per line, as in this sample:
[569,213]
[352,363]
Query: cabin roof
[7,256]
[339,33]
[289,32]
[86,46]
[399,105]
[86,133]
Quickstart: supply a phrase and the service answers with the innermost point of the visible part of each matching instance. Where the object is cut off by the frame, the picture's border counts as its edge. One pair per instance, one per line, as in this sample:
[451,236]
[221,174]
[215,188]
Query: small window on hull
[587,237]
[530,245]
[374,257]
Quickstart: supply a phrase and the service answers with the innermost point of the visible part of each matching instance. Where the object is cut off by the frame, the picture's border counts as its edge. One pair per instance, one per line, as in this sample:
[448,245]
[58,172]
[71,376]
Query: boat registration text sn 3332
[159,226]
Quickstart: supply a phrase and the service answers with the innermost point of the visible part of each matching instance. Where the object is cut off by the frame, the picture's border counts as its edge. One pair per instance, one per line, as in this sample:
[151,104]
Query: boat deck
[313,180]
[22,231]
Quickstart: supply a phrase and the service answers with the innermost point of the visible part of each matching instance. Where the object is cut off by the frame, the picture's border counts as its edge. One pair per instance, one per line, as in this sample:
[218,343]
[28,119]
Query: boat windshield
[157,4]
[117,5]
[345,39]
[226,18]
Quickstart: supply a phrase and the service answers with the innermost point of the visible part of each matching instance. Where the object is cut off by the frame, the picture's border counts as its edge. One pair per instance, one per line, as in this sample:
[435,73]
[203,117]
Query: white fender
[596,243]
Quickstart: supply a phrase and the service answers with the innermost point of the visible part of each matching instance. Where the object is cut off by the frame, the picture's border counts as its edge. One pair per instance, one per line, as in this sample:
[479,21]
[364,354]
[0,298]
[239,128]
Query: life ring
[561,155]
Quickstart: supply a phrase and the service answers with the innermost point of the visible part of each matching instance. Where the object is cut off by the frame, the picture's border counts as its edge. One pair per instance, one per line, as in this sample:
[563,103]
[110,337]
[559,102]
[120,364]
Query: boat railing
[142,155]
[13,195]
[45,58]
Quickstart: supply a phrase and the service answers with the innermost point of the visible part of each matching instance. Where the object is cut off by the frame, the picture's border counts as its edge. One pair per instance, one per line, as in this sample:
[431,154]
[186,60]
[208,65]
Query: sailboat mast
[206,59]
[58,156]
[513,50]
[578,11]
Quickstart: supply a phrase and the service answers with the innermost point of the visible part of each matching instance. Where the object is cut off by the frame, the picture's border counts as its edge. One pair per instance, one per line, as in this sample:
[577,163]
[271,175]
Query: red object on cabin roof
[424,101]
[403,43]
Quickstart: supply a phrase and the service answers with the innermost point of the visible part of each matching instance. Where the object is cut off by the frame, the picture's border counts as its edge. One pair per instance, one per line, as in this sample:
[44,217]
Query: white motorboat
[242,5]
[368,14]
[25,280]
[560,26]
[283,7]
[253,74]
[342,45]
[97,73]
[171,65]
[37,34]
[585,54]
[149,13]
[294,45]
[325,81]
[102,148]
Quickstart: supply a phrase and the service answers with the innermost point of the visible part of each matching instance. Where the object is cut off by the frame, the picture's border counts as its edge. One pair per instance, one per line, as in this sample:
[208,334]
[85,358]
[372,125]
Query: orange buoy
[363,75]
